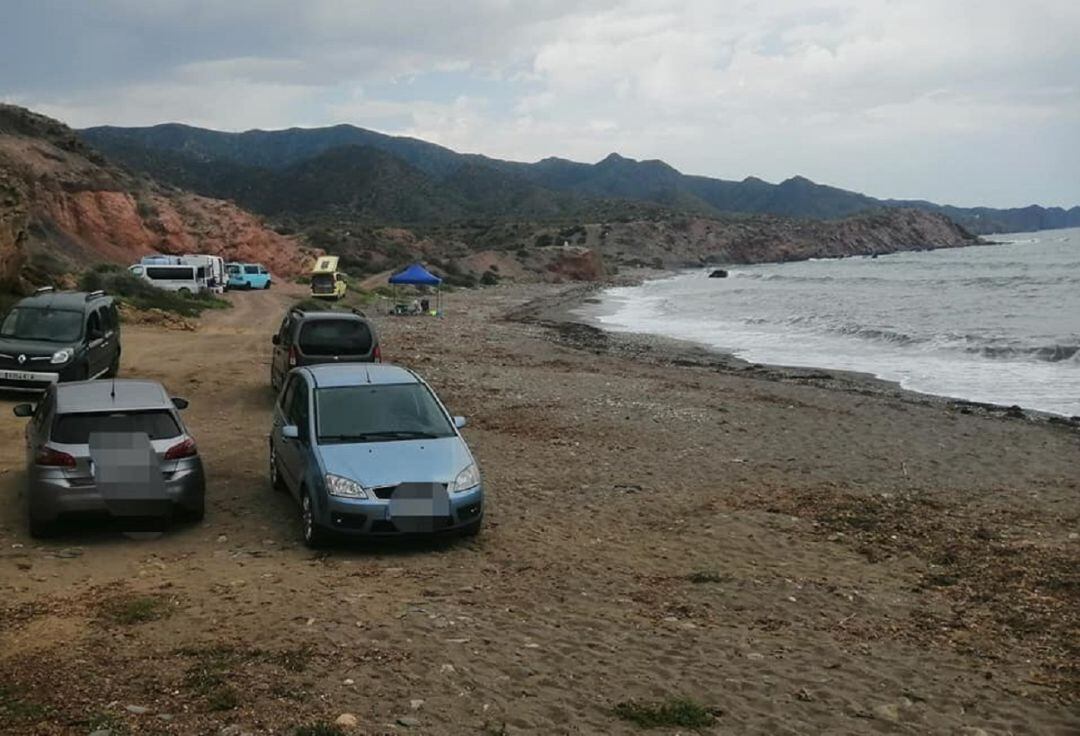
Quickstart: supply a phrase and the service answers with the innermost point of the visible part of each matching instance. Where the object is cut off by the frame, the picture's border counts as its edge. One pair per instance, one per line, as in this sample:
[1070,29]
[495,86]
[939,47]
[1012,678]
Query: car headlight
[61,356]
[338,486]
[466,479]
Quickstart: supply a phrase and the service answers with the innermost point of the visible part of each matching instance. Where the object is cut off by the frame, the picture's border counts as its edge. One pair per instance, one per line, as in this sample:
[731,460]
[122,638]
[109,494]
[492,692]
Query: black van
[323,336]
[58,336]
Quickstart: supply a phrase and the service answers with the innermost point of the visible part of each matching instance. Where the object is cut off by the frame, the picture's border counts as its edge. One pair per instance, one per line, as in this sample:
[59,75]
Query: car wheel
[184,292]
[314,536]
[276,481]
[192,515]
[42,529]
[267,285]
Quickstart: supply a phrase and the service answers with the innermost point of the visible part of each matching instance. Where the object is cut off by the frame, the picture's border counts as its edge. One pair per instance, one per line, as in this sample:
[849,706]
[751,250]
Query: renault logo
[22,359]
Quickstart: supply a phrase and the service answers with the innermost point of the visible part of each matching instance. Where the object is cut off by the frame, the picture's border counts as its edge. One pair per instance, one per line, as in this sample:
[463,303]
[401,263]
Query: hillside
[223,164]
[64,206]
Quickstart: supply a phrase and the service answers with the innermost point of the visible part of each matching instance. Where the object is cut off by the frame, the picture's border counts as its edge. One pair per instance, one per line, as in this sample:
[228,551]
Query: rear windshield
[75,429]
[335,337]
[52,325]
[322,280]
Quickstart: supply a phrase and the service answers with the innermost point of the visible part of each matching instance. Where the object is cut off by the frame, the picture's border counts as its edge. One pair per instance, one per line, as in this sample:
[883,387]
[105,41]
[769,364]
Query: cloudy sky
[959,101]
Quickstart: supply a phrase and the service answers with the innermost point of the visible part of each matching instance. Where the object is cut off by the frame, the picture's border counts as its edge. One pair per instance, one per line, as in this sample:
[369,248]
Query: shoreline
[560,313]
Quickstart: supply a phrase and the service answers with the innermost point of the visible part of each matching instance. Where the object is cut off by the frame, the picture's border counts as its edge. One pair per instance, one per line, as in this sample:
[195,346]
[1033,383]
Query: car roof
[331,375]
[93,396]
[71,300]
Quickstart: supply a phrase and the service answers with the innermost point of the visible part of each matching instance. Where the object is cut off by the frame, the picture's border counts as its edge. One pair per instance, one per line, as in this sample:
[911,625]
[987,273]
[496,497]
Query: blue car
[369,450]
[247,276]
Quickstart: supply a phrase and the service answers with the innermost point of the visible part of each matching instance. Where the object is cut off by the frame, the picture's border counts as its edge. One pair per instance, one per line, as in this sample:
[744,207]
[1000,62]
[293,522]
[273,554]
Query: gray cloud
[970,103]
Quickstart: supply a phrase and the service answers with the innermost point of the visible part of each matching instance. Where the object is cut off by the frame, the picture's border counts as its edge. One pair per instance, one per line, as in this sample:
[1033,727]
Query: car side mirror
[23,410]
[179,403]
[460,422]
[276,339]
[290,432]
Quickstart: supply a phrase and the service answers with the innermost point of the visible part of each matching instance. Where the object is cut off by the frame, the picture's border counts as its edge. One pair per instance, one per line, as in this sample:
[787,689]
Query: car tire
[184,292]
[314,536]
[42,529]
[191,515]
[276,481]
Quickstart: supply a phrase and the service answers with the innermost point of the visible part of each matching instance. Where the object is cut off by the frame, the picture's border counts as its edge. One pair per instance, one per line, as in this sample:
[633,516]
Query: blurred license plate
[17,376]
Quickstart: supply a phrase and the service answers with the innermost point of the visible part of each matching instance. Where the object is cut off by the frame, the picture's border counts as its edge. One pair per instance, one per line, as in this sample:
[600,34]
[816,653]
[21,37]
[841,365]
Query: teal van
[247,276]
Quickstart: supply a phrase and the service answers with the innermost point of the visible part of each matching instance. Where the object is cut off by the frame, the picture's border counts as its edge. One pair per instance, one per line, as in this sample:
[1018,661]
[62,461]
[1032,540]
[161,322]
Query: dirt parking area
[734,551]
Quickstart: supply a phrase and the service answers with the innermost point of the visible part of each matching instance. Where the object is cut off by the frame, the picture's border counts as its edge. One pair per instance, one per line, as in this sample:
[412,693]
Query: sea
[996,323]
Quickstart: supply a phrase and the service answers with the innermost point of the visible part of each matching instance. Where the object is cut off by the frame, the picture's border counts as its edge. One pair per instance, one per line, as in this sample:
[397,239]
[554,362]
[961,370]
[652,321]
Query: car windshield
[52,325]
[335,336]
[322,280]
[379,413]
[75,429]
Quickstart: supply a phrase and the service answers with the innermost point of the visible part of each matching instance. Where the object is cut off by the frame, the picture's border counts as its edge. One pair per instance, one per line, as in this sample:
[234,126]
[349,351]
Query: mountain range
[389,179]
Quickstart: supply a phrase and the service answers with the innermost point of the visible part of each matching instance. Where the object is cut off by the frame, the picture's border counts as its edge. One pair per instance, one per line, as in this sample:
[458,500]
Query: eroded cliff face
[765,239]
[79,209]
[13,220]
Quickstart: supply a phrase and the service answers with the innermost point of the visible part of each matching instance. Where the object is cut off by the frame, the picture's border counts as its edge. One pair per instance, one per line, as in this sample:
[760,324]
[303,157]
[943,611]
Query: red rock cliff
[72,204]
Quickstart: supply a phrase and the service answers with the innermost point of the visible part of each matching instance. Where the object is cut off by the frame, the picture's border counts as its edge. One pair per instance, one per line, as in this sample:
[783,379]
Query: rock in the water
[346,719]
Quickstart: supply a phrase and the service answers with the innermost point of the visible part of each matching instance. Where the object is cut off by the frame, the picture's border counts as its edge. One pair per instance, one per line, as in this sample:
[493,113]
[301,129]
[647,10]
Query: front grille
[23,385]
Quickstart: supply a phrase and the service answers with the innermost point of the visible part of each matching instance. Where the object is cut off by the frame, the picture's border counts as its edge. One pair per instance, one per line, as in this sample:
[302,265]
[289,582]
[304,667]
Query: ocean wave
[1055,353]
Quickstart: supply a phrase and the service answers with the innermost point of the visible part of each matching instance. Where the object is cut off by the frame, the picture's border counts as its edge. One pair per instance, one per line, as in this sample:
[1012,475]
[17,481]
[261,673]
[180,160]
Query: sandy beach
[798,551]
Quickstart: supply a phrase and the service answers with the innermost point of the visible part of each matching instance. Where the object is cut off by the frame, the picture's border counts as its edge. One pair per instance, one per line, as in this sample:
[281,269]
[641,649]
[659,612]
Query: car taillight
[49,457]
[292,356]
[186,448]
[377,354]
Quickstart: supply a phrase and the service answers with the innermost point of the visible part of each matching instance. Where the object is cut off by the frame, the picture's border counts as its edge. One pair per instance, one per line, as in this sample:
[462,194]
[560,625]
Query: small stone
[755,656]
[138,710]
[408,721]
[233,730]
[222,539]
[164,717]
[888,712]
[349,681]
[447,668]
[804,695]
[346,719]
[416,703]
[972,731]
[101,732]
[69,553]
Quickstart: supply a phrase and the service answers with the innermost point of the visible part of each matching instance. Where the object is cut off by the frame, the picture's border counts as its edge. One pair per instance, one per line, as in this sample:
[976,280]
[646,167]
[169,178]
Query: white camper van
[183,278]
[216,278]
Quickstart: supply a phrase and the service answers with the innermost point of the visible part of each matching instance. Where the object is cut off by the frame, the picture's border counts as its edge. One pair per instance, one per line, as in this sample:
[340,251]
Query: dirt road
[796,559]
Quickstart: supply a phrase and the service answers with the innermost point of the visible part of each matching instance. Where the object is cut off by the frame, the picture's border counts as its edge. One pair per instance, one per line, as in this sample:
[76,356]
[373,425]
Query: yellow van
[326,281]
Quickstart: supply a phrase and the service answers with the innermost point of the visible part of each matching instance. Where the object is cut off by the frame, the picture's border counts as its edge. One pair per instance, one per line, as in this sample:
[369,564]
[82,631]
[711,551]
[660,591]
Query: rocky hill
[64,206]
[225,164]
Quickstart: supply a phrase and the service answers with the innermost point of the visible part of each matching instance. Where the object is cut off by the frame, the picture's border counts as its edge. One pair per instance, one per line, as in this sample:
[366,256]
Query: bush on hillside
[490,278]
[137,293]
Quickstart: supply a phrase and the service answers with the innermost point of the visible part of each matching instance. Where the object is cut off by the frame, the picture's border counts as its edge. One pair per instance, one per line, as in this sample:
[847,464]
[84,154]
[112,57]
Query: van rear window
[171,273]
[75,429]
[335,337]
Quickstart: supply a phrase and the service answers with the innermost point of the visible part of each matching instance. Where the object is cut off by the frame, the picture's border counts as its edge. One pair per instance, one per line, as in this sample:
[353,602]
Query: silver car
[116,448]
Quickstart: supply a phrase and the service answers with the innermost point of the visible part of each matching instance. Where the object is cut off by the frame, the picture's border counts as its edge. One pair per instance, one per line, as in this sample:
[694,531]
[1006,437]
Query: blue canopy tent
[417,275]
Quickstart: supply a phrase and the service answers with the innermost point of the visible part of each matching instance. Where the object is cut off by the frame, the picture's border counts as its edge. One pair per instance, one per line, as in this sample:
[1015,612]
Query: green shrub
[678,712]
[490,278]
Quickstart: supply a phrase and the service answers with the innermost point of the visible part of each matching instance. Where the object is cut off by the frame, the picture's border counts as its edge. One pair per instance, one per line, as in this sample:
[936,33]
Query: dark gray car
[109,447]
[58,336]
[322,336]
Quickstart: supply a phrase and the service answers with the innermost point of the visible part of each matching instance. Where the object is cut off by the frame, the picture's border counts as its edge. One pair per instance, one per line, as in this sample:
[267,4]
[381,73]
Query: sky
[958,102]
